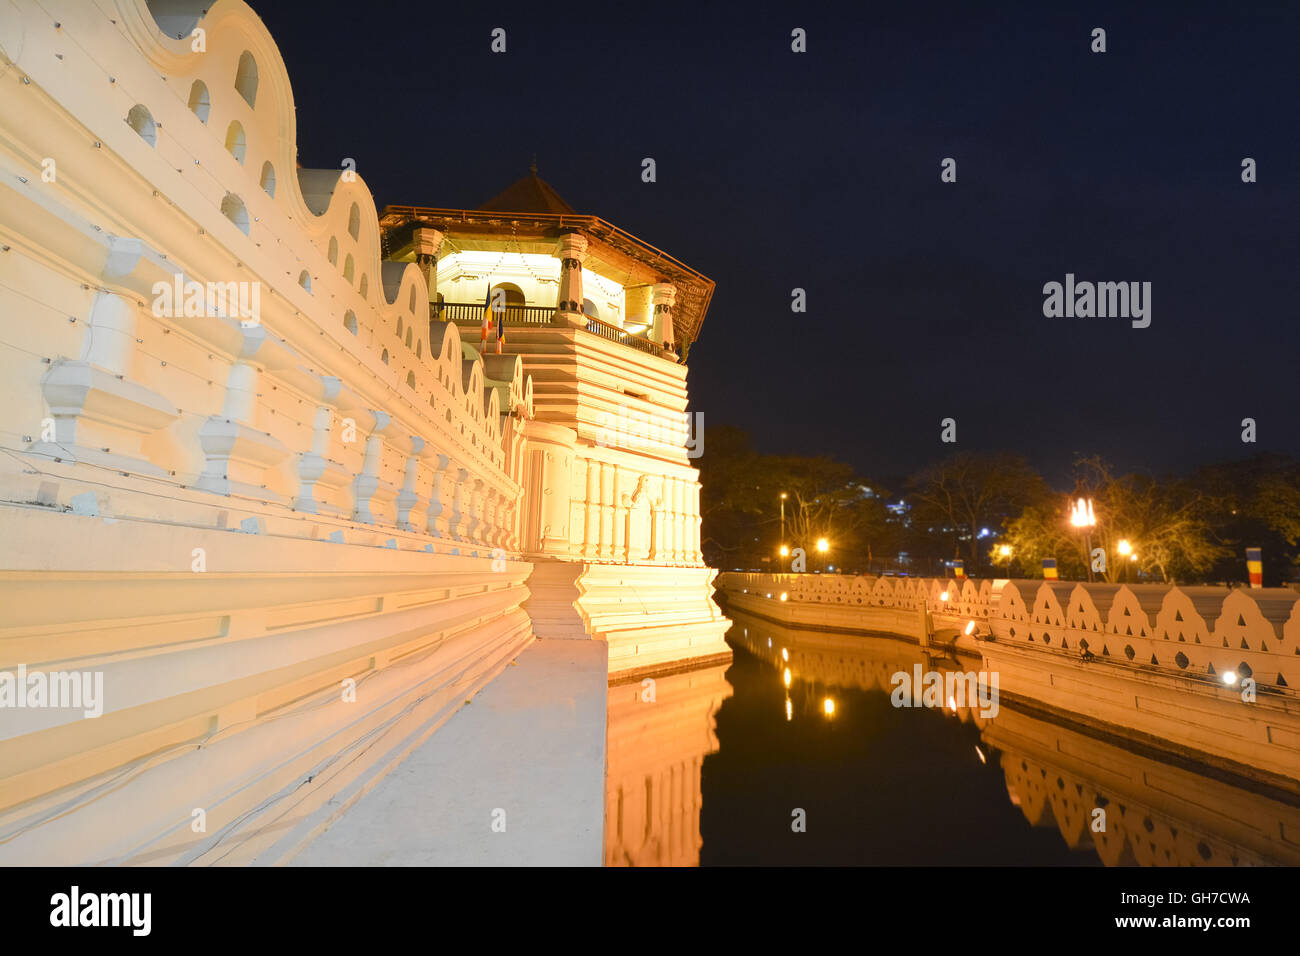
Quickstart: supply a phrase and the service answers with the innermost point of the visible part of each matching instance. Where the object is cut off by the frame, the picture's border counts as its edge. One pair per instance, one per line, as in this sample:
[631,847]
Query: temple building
[271,508]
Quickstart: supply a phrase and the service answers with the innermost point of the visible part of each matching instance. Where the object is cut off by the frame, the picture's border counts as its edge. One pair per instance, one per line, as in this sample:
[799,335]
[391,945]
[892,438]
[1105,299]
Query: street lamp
[1004,552]
[783,521]
[785,553]
[1082,516]
[823,546]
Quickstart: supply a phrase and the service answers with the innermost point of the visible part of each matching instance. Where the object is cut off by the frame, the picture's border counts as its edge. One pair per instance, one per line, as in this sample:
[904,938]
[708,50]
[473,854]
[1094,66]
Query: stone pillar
[568,304]
[312,464]
[620,520]
[436,521]
[458,507]
[100,414]
[369,486]
[679,524]
[236,454]
[427,243]
[664,296]
[607,511]
[409,499]
[697,556]
[591,512]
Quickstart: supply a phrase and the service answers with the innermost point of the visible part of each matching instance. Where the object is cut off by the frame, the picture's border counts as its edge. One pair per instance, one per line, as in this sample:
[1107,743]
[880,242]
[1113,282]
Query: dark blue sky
[821,171]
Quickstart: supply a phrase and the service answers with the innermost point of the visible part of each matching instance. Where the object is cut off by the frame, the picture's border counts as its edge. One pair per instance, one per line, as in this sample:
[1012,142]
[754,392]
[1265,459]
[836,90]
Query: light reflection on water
[715,768]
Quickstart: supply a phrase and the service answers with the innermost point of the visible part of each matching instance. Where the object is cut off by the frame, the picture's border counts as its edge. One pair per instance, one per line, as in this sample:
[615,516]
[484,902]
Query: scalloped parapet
[1195,632]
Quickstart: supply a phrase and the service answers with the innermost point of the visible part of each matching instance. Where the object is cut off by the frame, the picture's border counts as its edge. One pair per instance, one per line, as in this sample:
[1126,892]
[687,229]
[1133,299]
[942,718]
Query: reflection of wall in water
[1158,812]
[654,754]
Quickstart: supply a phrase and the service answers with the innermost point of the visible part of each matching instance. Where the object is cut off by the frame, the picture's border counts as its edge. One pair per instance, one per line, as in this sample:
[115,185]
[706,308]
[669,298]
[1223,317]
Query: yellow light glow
[983,759]
[785,551]
[952,703]
[828,705]
[784,596]
[783,496]
[789,709]
[785,655]
[823,545]
[943,595]
[786,677]
[1081,514]
[1124,547]
[1230,677]
[970,628]
[1005,550]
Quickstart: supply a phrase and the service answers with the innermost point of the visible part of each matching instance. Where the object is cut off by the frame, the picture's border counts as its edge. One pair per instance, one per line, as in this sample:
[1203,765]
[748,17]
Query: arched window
[419,348]
[514,294]
[246,78]
[410,379]
[141,120]
[364,286]
[268,178]
[235,142]
[333,254]
[354,221]
[232,207]
[411,301]
[399,326]
[348,268]
[350,322]
[200,104]
[408,338]
[304,280]
[384,357]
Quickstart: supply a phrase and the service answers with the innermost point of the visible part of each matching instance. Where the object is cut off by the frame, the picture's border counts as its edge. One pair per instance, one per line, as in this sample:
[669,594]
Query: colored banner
[959,569]
[1255,566]
[1049,569]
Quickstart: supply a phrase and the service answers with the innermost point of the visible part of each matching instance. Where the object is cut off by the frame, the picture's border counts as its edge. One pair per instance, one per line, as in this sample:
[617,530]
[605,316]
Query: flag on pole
[501,329]
[1255,566]
[487,318]
[959,568]
[1049,569]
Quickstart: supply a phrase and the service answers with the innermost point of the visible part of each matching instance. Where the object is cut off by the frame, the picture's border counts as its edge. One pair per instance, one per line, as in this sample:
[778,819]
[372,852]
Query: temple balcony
[469,317]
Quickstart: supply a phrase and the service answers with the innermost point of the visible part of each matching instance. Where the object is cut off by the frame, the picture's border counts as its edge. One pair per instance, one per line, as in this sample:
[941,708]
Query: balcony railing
[472,312]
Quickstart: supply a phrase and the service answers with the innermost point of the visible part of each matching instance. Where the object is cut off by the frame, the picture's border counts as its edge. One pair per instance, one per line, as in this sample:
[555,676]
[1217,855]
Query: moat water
[733,765]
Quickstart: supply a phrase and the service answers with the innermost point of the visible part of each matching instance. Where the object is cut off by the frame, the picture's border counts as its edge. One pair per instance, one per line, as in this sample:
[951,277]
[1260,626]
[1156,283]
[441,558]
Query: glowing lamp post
[1082,516]
[822,547]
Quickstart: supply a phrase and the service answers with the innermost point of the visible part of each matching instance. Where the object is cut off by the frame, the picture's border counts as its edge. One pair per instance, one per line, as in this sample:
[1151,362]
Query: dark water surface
[713,767]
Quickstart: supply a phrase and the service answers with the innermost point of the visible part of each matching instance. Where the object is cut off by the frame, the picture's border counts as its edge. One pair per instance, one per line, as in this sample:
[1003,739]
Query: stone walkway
[516,778]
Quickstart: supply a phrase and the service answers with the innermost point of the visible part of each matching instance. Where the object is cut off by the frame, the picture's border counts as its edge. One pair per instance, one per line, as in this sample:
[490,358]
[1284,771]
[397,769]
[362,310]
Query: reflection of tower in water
[659,731]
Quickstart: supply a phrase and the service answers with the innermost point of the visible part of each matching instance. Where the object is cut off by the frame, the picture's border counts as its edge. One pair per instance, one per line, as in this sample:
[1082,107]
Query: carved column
[607,473]
[568,304]
[427,244]
[591,512]
[436,522]
[620,519]
[664,297]
[370,488]
[456,524]
[409,499]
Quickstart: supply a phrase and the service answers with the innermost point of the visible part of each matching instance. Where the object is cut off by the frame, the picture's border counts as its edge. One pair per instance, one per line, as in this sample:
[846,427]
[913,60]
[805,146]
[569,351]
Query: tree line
[996,513]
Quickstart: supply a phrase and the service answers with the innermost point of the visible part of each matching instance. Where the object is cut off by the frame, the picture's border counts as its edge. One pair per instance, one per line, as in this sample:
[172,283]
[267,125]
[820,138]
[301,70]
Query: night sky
[821,170]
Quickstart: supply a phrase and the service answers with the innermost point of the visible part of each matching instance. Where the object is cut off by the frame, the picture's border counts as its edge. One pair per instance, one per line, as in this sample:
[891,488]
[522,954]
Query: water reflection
[659,732]
[716,770]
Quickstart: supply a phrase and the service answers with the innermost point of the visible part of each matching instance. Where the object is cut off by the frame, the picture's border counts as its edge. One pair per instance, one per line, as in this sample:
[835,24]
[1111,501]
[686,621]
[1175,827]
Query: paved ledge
[532,744]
